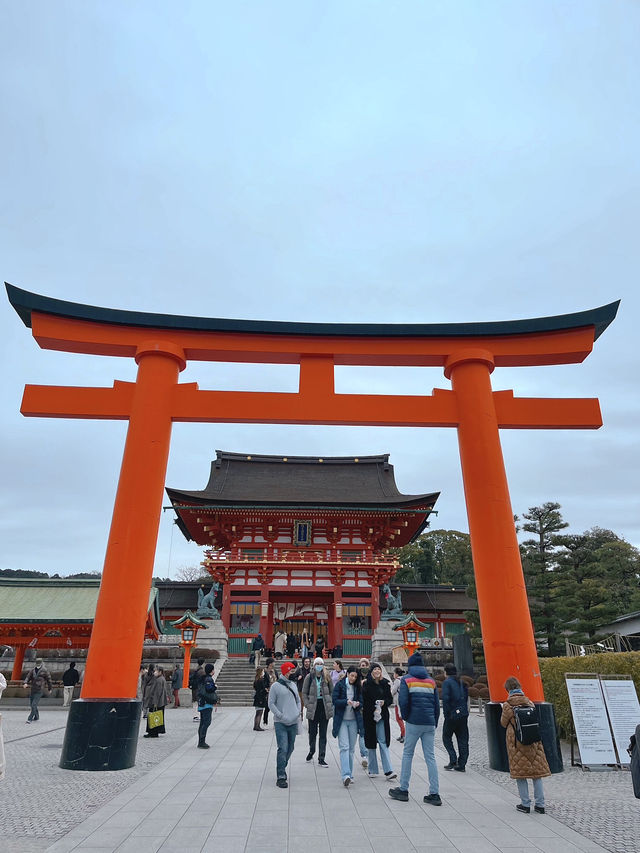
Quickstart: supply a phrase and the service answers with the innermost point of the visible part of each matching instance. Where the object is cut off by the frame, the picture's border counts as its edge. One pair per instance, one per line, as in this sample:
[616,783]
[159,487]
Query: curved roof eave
[24,302]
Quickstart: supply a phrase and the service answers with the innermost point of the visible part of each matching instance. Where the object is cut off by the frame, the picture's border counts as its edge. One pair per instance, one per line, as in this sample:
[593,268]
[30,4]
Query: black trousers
[318,726]
[460,729]
[205,722]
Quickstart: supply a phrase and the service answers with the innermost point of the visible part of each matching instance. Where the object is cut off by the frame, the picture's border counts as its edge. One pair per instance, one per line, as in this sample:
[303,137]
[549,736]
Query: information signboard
[590,721]
[624,712]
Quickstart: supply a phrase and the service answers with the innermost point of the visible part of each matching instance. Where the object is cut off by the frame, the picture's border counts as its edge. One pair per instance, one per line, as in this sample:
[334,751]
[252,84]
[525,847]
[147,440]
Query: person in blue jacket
[420,708]
[347,720]
[455,710]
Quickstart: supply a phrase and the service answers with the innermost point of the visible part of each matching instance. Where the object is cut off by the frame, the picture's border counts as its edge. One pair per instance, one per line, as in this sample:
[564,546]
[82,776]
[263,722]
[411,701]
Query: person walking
[207,698]
[347,719]
[270,677]
[526,761]
[363,666]
[40,682]
[284,704]
[420,709]
[337,672]
[299,676]
[395,686]
[176,684]
[319,647]
[70,677]
[158,697]
[257,648]
[260,698]
[316,695]
[195,680]
[376,701]
[455,710]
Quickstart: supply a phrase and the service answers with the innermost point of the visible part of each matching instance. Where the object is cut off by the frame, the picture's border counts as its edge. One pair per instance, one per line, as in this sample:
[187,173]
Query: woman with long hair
[337,672]
[260,695]
[347,719]
[376,701]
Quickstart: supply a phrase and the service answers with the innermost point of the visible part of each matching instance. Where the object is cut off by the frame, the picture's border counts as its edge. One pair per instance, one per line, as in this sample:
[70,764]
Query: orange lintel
[84,336]
[535,413]
[193,405]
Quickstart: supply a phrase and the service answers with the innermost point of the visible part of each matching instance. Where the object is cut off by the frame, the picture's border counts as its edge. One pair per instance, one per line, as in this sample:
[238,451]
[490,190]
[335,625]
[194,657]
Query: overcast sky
[340,161]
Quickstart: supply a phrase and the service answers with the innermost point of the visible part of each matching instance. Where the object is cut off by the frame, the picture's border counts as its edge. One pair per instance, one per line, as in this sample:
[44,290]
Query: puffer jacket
[418,698]
[310,695]
[525,761]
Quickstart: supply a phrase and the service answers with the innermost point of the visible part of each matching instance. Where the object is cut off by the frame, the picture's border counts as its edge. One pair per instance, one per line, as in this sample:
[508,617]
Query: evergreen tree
[586,592]
[538,564]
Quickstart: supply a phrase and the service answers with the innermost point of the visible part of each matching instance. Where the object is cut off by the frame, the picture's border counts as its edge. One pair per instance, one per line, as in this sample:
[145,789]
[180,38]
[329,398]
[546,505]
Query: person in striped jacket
[420,708]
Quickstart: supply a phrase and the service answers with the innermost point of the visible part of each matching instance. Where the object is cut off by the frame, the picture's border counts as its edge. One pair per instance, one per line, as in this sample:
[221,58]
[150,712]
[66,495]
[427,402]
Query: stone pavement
[179,798]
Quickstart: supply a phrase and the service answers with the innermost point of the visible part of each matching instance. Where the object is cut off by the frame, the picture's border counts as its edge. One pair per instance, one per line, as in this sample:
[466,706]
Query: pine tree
[538,563]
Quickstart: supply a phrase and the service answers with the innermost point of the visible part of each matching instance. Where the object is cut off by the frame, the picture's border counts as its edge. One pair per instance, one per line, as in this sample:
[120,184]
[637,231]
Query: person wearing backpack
[455,709]
[207,698]
[526,760]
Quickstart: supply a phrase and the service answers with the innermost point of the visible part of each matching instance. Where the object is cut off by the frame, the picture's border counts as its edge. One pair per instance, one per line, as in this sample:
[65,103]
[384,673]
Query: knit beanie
[415,660]
[286,668]
[318,662]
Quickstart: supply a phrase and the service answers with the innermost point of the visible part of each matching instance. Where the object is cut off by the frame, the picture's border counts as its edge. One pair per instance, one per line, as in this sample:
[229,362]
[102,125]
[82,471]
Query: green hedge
[608,663]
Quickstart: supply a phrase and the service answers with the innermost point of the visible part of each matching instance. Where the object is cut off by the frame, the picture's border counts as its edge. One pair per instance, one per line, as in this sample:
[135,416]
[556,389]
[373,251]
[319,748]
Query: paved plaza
[179,798]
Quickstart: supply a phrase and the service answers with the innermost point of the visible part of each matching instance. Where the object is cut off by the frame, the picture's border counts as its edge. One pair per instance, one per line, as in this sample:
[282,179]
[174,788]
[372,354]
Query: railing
[356,648]
[300,556]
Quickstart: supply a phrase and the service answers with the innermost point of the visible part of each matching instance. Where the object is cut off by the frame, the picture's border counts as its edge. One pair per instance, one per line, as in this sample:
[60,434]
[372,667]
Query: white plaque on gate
[624,712]
[590,721]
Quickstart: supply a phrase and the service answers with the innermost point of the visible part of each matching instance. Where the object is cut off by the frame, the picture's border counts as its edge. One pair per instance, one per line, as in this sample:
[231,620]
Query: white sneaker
[353,781]
[371,775]
[346,781]
[390,776]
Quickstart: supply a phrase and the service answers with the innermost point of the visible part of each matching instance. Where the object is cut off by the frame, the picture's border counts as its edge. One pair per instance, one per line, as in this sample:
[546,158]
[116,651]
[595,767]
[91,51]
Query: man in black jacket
[70,677]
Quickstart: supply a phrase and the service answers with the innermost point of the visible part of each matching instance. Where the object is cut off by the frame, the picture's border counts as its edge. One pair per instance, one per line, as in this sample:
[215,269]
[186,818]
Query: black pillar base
[497,743]
[102,734]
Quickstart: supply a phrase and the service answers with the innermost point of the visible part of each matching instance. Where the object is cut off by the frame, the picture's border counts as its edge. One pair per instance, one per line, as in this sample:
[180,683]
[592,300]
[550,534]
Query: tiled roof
[366,481]
[52,600]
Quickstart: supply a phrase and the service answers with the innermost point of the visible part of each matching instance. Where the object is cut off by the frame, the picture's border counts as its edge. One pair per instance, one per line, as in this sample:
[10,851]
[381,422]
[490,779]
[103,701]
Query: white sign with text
[590,721]
[624,712]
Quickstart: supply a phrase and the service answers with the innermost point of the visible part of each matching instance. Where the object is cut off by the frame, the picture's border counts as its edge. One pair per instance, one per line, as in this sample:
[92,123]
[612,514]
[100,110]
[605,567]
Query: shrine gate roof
[338,481]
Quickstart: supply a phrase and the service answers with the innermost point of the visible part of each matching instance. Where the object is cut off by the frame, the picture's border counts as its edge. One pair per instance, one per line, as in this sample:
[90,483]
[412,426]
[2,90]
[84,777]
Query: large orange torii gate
[163,344]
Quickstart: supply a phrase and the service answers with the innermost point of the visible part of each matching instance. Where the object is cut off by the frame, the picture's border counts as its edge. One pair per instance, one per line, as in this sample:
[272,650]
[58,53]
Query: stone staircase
[235,682]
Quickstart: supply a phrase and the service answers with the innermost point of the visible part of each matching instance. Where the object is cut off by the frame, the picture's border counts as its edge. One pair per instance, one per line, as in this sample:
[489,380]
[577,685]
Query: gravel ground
[599,805]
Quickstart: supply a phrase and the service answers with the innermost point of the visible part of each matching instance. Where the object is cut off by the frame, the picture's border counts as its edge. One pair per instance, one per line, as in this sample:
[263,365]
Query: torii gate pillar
[102,727]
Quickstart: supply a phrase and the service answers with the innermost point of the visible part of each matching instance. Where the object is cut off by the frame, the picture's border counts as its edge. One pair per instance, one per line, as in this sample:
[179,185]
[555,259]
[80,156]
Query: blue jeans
[33,703]
[384,751]
[426,735]
[347,736]
[285,738]
[538,792]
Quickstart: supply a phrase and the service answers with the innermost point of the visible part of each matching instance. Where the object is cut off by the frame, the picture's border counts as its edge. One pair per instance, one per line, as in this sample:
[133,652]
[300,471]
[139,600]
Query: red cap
[286,668]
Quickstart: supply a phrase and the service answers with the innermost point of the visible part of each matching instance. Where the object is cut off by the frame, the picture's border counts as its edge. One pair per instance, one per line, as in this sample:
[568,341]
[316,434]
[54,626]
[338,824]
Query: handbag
[155,719]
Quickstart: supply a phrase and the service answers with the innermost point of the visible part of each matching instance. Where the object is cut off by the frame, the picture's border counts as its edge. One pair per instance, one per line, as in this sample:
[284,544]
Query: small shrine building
[301,543]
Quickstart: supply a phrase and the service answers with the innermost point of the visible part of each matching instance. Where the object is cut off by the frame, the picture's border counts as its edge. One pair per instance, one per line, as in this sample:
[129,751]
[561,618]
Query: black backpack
[208,691]
[526,724]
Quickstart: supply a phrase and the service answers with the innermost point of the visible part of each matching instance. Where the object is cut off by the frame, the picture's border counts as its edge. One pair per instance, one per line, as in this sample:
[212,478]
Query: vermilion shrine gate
[107,714]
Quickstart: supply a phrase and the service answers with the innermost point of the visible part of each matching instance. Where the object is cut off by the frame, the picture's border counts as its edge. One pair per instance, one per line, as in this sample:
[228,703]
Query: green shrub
[609,663]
